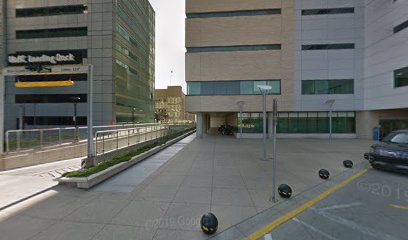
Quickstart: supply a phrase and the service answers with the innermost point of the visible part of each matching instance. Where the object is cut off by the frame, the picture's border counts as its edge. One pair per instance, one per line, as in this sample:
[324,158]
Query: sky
[170,47]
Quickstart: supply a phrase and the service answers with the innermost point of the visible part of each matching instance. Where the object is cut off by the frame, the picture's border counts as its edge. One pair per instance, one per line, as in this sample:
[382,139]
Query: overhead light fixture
[264,87]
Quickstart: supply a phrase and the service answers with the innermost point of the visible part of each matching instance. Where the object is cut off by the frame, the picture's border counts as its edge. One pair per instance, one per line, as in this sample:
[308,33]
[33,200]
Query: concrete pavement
[220,174]
[19,184]
[374,206]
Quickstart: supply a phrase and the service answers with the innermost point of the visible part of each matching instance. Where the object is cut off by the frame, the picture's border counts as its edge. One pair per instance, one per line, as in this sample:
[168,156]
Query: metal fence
[21,140]
[111,140]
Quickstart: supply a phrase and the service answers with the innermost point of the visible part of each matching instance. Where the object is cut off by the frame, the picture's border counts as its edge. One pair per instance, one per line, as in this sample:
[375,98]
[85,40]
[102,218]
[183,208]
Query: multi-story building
[346,56]
[116,37]
[170,105]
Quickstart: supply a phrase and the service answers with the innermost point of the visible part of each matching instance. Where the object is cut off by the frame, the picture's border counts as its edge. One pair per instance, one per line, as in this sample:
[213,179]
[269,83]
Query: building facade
[345,56]
[116,37]
[170,105]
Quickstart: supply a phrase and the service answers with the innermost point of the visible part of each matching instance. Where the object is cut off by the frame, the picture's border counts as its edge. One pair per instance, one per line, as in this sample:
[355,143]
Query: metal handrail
[114,135]
[19,132]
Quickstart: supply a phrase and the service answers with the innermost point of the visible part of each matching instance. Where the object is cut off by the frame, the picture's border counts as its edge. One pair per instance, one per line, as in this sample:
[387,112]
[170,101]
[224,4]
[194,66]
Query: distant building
[170,105]
[116,37]
[350,57]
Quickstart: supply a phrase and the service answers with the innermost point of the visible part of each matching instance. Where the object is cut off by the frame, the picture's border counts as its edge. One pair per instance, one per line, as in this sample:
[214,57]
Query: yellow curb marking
[268,228]
[399,206]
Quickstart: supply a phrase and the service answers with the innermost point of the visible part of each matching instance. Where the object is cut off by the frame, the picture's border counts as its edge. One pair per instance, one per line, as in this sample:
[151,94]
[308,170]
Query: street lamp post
[274,123]
[330,103]
[264,89]
[241,105]
[75,101]
[89,162]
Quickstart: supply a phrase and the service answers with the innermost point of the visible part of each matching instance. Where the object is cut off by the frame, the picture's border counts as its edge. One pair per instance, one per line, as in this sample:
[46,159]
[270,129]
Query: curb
[94,179]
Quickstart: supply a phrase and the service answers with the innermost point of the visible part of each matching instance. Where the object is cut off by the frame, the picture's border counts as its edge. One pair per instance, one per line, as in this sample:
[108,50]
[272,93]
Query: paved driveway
[220,174]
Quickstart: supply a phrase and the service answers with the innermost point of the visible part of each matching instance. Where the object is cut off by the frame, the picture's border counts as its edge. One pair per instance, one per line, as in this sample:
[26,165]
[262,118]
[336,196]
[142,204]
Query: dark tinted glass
[400,138]
[232,87]
[401,77]
[51,98]
[337,86]
[328,46]
[327,11]
[38,120]
[46,78]
[234,48]
[401,27]
[316,122]
[234,13]
[51,11]
[52,33]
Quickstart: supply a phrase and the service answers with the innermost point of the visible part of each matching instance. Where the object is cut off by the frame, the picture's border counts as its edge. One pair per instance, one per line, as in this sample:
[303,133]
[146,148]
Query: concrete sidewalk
[218,174]
[19,184]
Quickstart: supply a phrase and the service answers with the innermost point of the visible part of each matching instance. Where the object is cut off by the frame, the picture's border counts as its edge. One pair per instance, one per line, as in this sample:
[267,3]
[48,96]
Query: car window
[400,138]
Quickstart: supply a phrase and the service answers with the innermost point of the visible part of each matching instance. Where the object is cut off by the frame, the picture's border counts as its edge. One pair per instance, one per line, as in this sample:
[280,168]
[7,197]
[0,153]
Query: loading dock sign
[46,58]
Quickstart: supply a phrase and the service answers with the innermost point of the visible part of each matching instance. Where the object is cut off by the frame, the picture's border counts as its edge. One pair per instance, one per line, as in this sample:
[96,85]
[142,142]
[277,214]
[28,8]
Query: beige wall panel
[230,5]
[233,31]
[253,65]
[217,121]
[253,103]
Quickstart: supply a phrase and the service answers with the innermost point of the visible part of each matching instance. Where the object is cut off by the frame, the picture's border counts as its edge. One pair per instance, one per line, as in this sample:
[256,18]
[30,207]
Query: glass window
[193,88]
[401,27]
[51,11]
[234,13]
[52,33]
[54,121]
[327,11]
[231,87]
[50,98]
[334,86]
[315,122]
[321,87]
[401,77]
[328,46]
[234,48]
[251,122]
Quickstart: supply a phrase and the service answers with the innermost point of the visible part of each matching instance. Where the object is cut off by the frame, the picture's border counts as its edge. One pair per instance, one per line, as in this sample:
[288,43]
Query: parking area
[220,174]
[374,206]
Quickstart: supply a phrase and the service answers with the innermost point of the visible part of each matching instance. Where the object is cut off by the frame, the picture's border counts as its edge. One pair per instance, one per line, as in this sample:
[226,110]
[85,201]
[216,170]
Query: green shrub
[124,157]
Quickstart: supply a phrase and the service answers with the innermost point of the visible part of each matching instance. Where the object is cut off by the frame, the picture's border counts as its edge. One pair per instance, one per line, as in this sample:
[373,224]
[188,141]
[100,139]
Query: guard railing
[27,139]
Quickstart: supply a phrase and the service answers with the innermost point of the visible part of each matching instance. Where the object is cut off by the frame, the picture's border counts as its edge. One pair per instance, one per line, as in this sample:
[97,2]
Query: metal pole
[240,123]
[330,122]
[117,139]
[20,123]
[96,144]
[241,105]
[103,143]
[41,137]
[75,122]
[264,125]
[91,155]
[7,142]
[275,122]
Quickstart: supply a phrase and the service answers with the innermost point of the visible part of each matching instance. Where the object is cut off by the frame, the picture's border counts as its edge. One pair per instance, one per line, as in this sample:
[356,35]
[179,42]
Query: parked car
[391,153]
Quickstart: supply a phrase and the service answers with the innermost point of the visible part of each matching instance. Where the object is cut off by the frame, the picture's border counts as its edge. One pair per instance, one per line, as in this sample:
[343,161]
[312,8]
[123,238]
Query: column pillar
[200,125]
